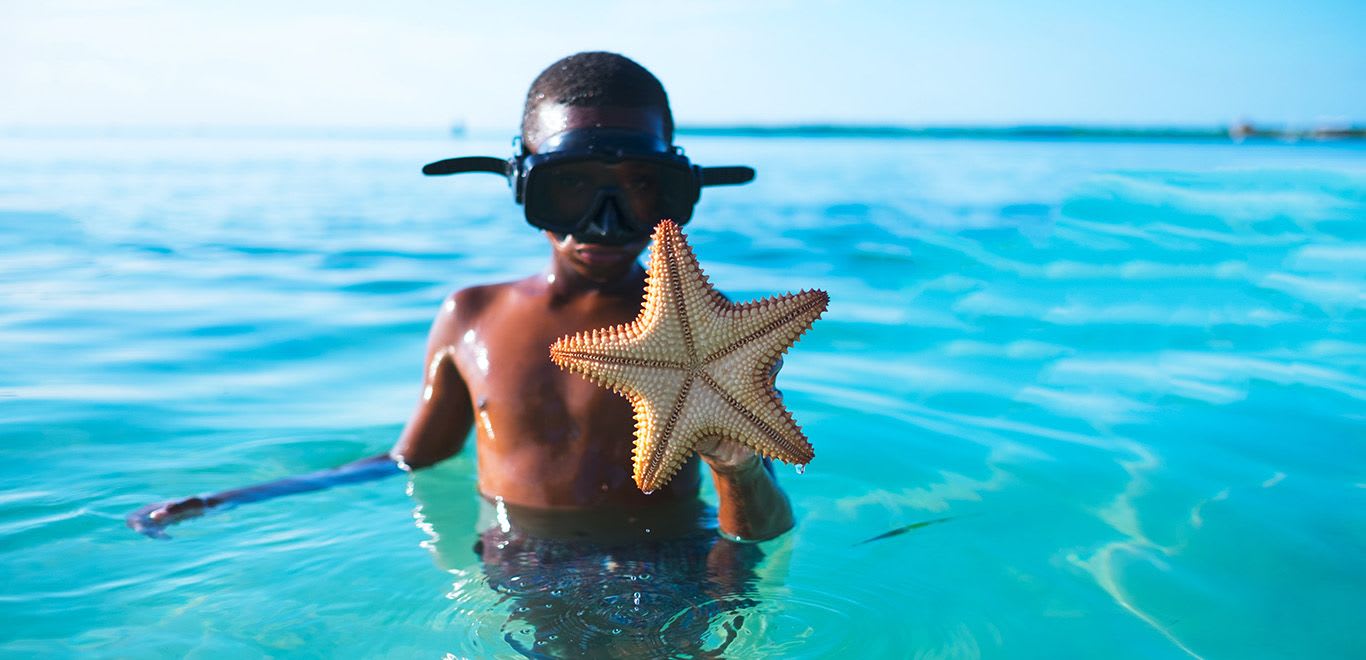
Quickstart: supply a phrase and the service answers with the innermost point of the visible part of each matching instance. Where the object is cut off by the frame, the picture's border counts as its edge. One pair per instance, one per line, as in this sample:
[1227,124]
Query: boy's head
[607,83]
[598,169]
[591,92]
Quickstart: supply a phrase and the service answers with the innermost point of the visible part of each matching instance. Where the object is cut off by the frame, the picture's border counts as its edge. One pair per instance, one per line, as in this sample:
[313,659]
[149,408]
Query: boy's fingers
[726,455]
[151,520]
[773,378]
[773,371]
[153,532]
[146,525]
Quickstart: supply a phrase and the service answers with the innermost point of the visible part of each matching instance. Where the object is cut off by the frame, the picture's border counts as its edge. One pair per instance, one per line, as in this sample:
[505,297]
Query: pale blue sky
[417,64]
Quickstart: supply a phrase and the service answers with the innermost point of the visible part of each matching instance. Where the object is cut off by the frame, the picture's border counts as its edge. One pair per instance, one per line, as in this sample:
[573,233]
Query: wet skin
[547,439]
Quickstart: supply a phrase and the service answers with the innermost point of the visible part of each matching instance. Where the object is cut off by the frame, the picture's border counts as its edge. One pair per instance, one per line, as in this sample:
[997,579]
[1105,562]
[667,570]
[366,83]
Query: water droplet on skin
[801,468]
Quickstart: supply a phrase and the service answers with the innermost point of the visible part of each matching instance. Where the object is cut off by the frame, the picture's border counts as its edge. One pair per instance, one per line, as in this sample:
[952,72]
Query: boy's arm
[443,417]
[153,519]
[436,431]
[752,506]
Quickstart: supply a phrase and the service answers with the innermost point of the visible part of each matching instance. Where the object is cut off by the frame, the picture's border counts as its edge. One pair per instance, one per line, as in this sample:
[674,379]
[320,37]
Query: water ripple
[1129,374]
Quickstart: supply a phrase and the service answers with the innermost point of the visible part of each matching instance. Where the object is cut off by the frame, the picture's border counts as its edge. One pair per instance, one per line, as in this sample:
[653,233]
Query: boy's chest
[505,360]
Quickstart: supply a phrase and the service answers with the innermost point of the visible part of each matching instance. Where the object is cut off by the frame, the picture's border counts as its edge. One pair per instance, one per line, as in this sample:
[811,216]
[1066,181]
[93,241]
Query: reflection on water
[571,599]
[603,584]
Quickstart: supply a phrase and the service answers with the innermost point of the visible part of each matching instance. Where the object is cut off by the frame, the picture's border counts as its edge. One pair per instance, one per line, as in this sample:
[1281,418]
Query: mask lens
[654,191]
[560,195]
[565,192]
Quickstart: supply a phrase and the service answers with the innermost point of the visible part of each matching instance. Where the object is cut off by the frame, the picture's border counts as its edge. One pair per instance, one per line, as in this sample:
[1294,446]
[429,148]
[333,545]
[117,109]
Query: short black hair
[597,79]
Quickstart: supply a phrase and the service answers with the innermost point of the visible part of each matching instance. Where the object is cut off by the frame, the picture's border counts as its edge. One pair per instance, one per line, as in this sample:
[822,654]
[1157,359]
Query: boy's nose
[607,227]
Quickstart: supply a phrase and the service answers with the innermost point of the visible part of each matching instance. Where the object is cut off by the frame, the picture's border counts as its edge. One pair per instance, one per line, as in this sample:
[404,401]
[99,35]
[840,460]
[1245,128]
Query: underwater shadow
[656,583]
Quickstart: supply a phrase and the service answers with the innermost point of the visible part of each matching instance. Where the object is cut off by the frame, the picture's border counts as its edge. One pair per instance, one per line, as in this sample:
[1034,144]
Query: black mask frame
[608,218]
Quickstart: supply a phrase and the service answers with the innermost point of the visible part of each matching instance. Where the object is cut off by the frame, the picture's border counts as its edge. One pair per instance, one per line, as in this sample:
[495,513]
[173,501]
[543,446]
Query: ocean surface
[1110,393]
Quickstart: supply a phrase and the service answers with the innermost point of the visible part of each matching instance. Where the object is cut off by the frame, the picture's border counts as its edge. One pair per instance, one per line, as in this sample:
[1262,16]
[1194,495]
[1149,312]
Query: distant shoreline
[1234,133]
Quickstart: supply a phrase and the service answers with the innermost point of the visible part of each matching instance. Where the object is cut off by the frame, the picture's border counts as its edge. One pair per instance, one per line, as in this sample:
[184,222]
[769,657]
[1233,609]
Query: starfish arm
[622,344]
[699,306]
[666,434]
[775,322]
[696,417]
[694,365]
[676,292]
[756,418]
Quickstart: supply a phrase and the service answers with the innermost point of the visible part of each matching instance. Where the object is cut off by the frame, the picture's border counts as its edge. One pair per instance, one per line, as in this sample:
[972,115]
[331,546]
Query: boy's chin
[603,270]
[596,261]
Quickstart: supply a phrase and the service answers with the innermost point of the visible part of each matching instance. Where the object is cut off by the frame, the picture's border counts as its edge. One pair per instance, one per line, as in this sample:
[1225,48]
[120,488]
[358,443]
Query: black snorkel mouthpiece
[603,185]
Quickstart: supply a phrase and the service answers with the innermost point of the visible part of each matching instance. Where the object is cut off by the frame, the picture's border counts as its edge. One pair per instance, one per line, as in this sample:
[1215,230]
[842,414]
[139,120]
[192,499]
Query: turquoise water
[1126,378]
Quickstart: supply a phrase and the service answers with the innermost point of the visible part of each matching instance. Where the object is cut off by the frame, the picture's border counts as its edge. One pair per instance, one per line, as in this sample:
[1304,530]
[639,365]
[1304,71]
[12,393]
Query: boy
[552,447]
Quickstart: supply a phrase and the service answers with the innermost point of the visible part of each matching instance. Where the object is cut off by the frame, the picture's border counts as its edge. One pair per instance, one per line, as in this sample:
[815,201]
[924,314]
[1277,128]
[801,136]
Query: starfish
[694,365]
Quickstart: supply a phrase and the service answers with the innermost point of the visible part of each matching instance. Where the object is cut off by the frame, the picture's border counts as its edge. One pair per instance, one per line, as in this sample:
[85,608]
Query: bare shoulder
[459,311]
[463,309]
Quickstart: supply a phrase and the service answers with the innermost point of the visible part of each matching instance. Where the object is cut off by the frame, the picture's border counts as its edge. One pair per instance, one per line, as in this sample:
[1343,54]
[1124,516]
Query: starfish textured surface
[694,365]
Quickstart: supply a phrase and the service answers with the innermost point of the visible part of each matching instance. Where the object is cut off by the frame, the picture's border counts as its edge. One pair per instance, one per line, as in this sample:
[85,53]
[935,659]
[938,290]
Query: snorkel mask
[603,185]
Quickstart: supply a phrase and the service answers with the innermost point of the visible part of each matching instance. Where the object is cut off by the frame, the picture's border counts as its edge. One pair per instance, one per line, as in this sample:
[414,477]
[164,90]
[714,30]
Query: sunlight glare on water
[1083,399]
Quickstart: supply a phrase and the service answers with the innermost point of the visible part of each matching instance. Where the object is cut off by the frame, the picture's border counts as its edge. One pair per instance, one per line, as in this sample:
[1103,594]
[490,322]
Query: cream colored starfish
[694,365]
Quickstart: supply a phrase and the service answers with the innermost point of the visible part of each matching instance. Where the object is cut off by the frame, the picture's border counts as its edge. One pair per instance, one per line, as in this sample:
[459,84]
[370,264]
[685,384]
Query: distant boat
[458,129]
[1337,133]
[1240,130]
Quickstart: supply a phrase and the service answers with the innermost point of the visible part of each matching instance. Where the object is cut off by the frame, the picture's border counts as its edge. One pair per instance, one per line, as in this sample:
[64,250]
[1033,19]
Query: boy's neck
[564,281]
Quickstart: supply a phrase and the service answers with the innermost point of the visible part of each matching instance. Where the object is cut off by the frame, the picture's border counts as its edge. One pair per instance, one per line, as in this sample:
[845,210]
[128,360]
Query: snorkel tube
[465,164]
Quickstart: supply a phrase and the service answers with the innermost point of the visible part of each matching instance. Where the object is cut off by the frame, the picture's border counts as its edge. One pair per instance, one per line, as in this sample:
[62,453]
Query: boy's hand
[727,456]
[152,520]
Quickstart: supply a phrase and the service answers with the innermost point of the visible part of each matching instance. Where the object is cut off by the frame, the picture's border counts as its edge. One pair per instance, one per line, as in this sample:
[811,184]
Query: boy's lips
[601,254]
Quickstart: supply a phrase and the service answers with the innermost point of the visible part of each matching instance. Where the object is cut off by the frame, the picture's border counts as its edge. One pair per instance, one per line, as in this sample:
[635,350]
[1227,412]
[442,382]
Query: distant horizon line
[1237,131]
